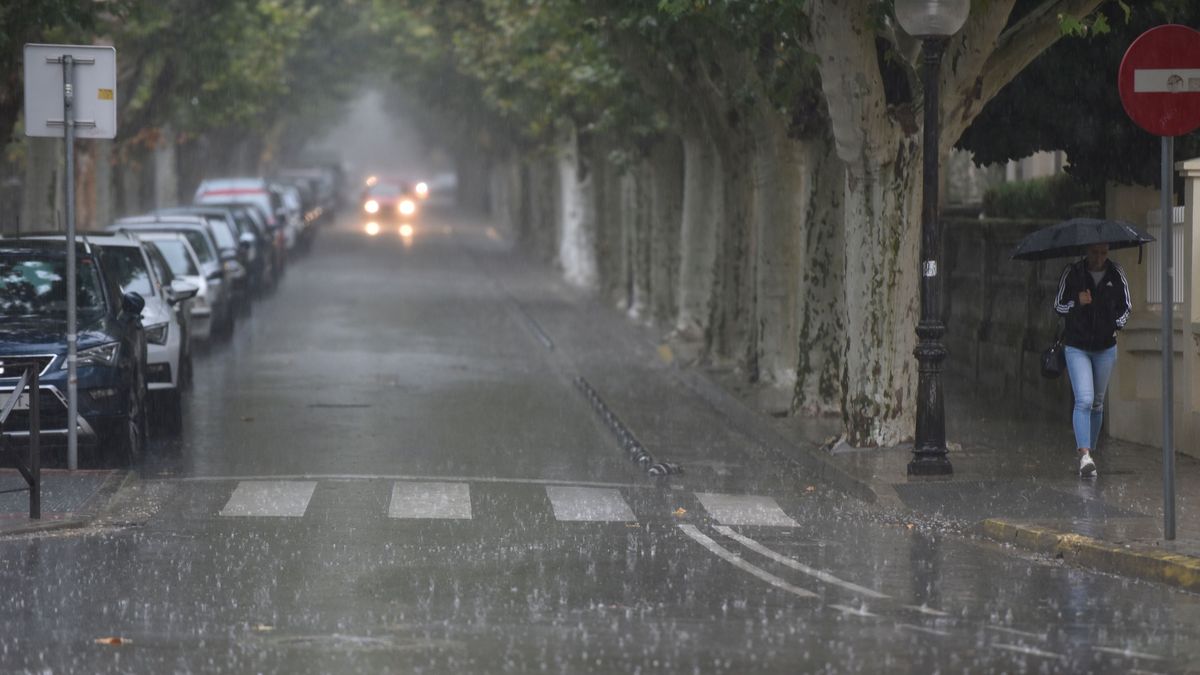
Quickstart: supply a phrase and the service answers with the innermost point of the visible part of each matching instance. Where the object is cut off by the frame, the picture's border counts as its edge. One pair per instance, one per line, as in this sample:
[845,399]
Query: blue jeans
[1089,373]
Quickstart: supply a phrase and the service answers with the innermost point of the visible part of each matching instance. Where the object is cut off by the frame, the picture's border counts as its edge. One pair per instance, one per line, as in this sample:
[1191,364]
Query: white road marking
[589,504]
[796,565]
[922,629]
[733,559]
[744,510]
[1130,653]
[273,498]
[1032,651]
[430,500]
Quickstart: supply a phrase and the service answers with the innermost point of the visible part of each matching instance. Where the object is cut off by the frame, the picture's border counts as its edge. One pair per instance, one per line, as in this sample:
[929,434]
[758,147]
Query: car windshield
[128,268]
[37,286]
[200,244]
[220,230]
[176,254]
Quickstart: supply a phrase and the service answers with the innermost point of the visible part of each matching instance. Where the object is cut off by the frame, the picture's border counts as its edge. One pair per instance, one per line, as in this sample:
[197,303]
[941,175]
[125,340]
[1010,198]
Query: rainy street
[392,467]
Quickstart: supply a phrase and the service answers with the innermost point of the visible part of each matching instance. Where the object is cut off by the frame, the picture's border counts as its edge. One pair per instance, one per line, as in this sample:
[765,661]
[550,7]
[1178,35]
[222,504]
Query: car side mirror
[132,304]
[181,290]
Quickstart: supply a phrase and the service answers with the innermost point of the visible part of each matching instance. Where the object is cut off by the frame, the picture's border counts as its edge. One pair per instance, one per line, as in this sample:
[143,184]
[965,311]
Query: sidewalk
[69,499]
[1016,481]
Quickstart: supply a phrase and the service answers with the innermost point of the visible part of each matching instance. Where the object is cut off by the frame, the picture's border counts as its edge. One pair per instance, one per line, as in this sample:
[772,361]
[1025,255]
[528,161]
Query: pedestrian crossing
[448,500]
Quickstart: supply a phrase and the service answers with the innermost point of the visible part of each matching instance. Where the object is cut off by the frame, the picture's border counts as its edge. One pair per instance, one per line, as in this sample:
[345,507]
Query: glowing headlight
[408,207]
[422,190]
[406,230]
[157,334]
[372,228]
[371,206]
[104,355]
[371,180]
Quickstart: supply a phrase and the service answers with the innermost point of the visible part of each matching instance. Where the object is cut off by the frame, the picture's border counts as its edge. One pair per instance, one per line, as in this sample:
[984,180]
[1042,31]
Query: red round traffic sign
[1159,80]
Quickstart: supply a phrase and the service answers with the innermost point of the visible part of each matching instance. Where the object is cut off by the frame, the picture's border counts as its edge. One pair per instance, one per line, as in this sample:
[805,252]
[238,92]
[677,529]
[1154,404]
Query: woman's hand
[1085,297]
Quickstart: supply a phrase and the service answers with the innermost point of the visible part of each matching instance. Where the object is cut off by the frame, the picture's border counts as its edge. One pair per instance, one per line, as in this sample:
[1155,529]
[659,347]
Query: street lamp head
[932,18]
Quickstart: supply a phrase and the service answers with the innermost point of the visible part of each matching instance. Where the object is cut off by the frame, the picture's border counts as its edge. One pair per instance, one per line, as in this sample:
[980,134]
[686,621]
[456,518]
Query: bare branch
[1015,49]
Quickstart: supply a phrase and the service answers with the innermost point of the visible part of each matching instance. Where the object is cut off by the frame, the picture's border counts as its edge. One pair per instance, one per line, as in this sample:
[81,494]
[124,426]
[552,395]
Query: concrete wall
[999,317]
[1135,394]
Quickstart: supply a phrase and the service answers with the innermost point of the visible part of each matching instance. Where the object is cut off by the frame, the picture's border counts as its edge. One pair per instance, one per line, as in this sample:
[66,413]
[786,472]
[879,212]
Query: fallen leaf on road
[263,628]
[680,512]
[910,526]
[810,488]
[114,641]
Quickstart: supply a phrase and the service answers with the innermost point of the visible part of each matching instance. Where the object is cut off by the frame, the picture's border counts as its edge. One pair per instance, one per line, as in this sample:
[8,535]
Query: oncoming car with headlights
[389,201]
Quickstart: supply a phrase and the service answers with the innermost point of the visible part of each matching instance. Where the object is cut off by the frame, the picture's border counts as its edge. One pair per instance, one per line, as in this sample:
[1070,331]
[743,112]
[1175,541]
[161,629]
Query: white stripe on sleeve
[1058,298]
[1128,303]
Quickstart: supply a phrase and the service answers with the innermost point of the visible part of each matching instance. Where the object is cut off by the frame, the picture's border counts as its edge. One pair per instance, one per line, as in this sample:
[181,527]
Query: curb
[71,521]
[801,457]
[1135,560]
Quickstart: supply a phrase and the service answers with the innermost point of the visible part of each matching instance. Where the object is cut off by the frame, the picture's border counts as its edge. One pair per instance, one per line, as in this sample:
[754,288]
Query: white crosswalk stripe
[430,500]
[589,504]
[277,498]
[744,510]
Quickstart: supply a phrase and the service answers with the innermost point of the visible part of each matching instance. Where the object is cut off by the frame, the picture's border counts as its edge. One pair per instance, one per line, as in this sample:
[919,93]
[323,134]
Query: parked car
[181,258]
[259,193]
[235,251]
[252,224]
[199,235]
[111,350]
[168,346]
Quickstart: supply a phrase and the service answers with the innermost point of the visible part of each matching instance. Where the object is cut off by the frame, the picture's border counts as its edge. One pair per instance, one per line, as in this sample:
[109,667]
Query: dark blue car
[111,361]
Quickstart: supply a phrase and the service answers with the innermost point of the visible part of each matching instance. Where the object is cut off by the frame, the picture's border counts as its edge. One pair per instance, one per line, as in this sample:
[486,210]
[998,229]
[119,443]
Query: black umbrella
[1072,237]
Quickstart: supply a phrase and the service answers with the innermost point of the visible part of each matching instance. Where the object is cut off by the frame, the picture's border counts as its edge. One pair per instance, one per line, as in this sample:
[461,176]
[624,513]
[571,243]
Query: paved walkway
[1016,479]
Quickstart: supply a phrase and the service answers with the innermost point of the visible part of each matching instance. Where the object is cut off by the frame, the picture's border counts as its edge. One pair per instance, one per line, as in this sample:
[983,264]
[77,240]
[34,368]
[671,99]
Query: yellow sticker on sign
[105,94]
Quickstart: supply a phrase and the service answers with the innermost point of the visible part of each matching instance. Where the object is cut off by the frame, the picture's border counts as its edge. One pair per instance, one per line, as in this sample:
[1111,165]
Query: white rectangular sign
[1166,80]
[95,90]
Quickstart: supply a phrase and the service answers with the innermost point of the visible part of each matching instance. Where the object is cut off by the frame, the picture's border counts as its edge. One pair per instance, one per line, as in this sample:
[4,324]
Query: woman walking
[1093,296]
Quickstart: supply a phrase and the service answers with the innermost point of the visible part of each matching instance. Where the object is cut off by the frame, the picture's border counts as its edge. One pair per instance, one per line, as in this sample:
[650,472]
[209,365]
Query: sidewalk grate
[61,493]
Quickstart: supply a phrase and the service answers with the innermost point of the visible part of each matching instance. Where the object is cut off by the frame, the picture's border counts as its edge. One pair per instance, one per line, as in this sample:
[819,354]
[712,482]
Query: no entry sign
[1159,80]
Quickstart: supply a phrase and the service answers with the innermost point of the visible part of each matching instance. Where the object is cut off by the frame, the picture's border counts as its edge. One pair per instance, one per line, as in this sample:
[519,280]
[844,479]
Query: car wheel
[130,441]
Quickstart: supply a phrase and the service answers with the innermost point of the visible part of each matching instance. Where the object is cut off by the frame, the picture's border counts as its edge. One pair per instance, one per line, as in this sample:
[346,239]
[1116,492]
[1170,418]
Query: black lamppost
[934,21]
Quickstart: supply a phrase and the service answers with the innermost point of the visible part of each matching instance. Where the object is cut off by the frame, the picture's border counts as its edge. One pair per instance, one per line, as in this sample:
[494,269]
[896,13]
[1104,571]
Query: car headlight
[157,334]
[104,355]
[408,207]
[233,267]
[371,206]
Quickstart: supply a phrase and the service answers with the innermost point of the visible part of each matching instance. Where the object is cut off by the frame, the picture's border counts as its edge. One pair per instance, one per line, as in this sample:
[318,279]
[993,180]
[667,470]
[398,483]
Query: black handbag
[1054,359]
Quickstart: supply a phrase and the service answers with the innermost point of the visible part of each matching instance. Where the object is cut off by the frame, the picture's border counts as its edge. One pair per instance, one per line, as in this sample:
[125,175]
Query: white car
[168,347]
[185,265]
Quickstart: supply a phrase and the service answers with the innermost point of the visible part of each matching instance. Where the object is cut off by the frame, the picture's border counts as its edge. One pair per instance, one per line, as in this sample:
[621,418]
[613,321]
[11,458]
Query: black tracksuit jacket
[1093,327]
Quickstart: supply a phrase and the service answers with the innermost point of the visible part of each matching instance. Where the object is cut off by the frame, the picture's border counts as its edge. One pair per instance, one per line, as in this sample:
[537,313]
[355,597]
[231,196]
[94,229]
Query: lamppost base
[933,464]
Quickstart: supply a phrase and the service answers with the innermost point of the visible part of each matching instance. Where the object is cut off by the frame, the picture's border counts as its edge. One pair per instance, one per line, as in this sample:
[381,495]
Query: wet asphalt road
[388,469]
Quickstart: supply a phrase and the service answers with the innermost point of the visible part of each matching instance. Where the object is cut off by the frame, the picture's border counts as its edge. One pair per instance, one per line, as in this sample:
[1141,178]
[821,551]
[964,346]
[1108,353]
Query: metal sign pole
[1168,330]
[68,64]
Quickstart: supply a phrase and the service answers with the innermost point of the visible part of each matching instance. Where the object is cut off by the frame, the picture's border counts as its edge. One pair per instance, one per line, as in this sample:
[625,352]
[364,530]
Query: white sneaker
[1087,468]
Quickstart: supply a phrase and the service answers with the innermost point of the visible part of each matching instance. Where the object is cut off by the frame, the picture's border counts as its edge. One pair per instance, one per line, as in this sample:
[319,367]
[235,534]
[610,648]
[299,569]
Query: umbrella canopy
[1072,237]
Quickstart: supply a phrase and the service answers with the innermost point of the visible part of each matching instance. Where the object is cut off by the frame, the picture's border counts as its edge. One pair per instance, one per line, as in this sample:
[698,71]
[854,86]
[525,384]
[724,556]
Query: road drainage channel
[636,452]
